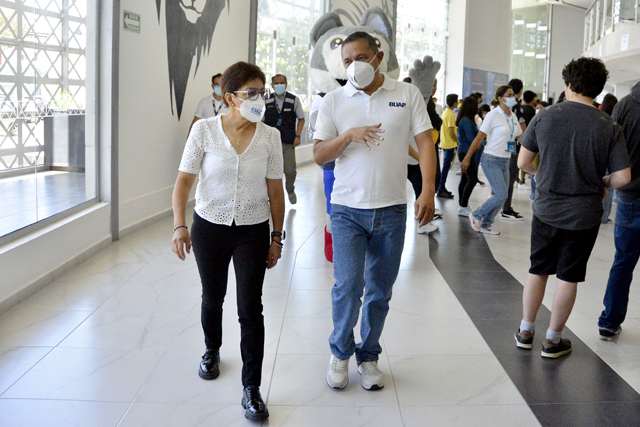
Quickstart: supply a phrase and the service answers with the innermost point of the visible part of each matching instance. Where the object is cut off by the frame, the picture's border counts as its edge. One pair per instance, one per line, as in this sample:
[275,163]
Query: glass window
[529,47]
[422,29]
[283,42]
[47,122]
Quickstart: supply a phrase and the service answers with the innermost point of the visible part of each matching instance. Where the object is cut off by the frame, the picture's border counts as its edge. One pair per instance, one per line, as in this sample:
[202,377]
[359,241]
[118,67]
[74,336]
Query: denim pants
[214,246]
[449,154]
[627,239]
[606,205]
[367,248]
[496,169]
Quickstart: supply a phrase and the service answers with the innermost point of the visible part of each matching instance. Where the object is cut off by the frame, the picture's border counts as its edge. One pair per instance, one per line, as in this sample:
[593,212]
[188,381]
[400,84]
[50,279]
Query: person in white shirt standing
[239,161]
[211,105]
[365,127]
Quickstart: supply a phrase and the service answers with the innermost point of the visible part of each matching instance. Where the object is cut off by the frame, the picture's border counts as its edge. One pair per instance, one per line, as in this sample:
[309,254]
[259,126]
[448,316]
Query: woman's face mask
[252,110]
[510,101]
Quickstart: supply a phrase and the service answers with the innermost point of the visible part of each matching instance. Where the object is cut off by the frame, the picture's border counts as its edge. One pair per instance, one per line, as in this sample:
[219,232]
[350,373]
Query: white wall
[567,43]
[479,37]
[151,139]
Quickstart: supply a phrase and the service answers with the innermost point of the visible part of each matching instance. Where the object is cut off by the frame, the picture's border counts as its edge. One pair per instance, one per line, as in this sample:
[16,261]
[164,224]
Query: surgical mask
[361,74]
[217,91]
[511,101]
[252,110]
[280,88]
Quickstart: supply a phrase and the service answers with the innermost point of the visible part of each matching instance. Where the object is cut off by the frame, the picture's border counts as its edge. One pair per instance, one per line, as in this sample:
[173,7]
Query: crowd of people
[576,151]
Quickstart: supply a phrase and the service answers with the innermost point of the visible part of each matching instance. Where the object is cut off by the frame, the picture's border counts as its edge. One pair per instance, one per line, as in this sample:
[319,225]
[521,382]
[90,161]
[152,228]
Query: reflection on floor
[117,341]
[30,198]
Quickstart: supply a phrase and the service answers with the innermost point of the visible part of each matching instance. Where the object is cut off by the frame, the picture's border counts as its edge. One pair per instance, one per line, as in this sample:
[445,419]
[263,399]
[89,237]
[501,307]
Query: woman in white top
[239,162]
[501,129]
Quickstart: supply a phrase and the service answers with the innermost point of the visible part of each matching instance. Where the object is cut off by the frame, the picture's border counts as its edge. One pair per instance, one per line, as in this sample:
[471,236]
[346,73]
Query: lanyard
[216,111]
[512,126]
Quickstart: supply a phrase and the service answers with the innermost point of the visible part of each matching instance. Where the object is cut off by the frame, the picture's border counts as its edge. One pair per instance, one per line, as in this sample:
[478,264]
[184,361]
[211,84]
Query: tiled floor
[117,341]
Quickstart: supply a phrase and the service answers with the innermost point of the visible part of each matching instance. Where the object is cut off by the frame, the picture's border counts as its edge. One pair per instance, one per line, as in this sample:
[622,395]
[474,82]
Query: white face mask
[361,74]
[252,110]
[510,101]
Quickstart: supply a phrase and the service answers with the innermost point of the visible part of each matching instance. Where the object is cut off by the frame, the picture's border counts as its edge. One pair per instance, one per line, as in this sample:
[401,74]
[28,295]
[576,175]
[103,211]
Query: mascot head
[326,69]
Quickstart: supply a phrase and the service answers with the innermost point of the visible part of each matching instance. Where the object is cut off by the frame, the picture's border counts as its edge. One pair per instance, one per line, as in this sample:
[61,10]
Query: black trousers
[468,180]
[214,246]
[513,175]
[414,175]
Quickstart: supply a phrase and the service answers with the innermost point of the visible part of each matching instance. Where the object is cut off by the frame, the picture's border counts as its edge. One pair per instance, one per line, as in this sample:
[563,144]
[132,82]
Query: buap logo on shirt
[398,104]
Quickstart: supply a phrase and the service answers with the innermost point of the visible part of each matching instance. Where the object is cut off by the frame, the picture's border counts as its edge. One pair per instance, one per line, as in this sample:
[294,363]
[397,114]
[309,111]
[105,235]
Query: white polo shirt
[376,178]
[208,107]
[500,129]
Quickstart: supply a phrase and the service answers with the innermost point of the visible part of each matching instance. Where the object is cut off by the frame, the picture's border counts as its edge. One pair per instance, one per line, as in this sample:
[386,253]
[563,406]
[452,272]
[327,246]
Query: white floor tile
[87,374]
[464,416]
[38,327]
[452,380]
[16,361]
[323,416]
[185,415]
[60,413]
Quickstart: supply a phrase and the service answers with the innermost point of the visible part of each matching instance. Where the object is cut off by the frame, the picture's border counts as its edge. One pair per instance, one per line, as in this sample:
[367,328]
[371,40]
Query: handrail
[597,15]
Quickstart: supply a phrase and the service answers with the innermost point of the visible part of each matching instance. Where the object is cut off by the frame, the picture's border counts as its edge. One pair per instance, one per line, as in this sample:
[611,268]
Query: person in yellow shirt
[448,143]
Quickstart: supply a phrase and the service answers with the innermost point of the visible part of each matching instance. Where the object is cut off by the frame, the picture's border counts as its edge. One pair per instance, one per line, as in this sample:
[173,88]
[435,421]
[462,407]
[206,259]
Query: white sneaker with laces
[426,229]
[489,230]
[371,376]
[338,373]
[475,224]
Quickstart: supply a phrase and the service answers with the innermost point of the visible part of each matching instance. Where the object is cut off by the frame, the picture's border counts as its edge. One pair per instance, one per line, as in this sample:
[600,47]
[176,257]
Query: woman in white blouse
[502,129]
[239,162]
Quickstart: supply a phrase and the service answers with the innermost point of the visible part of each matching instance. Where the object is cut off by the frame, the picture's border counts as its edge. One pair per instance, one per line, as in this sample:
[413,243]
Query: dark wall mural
[190,27]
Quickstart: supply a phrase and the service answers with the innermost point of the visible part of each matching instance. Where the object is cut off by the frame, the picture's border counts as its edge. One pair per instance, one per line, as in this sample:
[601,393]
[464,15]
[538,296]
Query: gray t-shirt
[578,144]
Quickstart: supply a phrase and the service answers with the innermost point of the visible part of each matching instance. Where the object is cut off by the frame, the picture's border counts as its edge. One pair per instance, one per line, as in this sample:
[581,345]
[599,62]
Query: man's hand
[366,134]
[423,74]
[464,165]
[296,141]
[424,209]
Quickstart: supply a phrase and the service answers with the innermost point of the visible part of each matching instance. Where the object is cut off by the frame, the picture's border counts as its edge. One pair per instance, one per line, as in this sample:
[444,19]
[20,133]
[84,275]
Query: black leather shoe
[444,195]
[210,365]
[256,410]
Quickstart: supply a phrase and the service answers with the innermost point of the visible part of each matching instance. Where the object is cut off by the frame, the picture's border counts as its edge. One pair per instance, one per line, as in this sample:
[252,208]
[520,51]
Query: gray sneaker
[293,199]
[338,373]
[371,376]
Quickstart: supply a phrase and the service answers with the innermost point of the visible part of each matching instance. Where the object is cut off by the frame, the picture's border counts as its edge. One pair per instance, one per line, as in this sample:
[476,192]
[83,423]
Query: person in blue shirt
[467,131]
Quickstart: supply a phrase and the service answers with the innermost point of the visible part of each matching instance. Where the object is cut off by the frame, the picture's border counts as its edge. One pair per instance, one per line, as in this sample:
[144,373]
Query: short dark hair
[238,75]
[477,95]
[280,75]
[484,107]
[528,96]
[543,103]
[608,103]
[452,98]
[516,85]
[215,76]
[587,76]
[407,80]
[361,35]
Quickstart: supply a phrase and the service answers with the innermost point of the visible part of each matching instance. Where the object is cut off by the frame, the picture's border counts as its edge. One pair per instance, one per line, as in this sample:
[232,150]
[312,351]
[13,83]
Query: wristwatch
[282,234]
[297,136]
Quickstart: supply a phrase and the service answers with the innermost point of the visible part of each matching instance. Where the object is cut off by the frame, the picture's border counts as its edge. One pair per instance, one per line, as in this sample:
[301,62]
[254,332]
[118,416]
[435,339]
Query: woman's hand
[275,252]
[180,241]
[464,165]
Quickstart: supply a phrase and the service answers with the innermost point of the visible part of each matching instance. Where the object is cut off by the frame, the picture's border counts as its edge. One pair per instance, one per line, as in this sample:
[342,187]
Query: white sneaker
[437,214]
[426,229]
[489,230]
[338,374]
[466,211]
[371,376]
[475,224]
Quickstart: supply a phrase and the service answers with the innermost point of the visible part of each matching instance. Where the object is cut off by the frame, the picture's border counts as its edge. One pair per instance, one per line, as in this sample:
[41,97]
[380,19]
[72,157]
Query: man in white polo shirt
[365,127]
[212,105]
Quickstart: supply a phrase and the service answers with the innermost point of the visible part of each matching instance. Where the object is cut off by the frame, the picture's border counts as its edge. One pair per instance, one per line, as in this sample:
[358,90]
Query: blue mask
[217,90]
[511,101]
[280,88]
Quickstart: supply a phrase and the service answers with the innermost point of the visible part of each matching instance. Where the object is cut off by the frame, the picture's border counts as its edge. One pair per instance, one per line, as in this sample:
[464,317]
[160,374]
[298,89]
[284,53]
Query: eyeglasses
[253,93]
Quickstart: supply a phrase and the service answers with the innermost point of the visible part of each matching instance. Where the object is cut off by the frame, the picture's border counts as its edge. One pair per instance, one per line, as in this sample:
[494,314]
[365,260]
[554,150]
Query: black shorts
[561,252]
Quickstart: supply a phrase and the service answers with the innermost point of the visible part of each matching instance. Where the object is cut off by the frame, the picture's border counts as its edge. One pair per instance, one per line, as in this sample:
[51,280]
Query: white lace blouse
[232,187]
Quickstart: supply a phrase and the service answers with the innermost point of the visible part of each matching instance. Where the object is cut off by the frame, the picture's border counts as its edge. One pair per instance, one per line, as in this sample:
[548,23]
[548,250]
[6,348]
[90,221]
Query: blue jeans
[606,205]
[627,238]
[449,154]
[367,247]
[496,169]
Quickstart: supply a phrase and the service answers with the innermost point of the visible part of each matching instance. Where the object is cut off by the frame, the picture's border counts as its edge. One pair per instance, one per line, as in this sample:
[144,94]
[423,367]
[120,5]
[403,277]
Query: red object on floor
[328,245]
